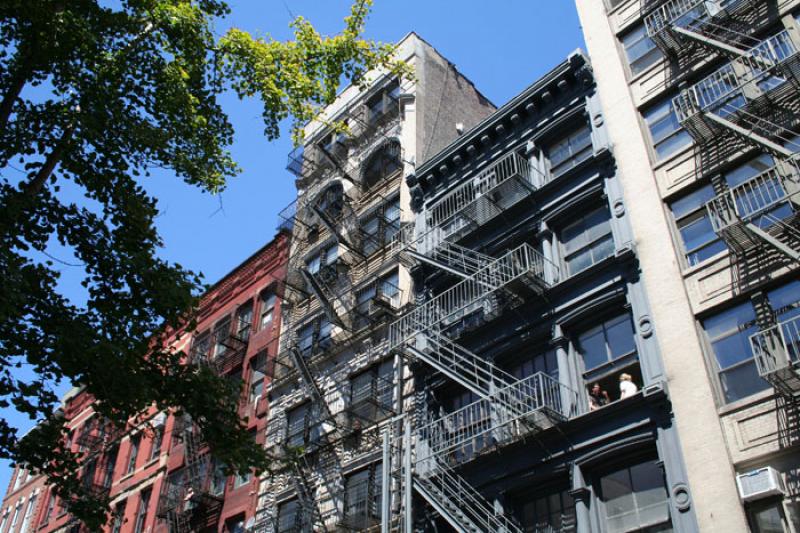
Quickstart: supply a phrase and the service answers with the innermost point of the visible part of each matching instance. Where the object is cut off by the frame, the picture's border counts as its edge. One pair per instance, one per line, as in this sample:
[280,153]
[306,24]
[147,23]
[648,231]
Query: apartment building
[335,390]
[22,503]
[700,100]
[158,472]
[530,310]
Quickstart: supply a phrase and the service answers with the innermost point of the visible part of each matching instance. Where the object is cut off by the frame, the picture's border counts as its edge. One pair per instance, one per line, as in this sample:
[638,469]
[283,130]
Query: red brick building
[158,473]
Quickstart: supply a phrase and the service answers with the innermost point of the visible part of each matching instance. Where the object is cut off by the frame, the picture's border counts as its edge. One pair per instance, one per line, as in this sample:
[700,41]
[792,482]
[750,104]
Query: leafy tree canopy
[93,95]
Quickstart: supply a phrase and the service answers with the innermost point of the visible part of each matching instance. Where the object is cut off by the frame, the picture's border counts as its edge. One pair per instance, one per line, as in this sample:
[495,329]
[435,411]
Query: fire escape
[329,249]
[507,408]
[191,499]
[751,102]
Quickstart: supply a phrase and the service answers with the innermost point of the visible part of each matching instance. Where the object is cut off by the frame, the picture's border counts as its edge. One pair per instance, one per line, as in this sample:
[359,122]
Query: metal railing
[457,436]
[727,84]
[753,197]
[464,296]
[473,202]
[777,349]
[690,14]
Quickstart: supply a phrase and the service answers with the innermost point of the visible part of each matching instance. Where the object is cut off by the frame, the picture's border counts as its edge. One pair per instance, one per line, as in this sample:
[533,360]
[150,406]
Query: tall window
[111,464]
[267,309]
[298,422]
[553,512]
[380,226]
[4,521]
[26,521]
[326,255]
[544,362]
[570,151]
[119,517]
[15,518]
[382,103]
[665,131]
[609,343]
[244,321]
[362,498]
[158,438]
[221,332]
[386,289]
[200,346]
[141,511]
[728,334]
[257,367]
[635,499]
[133,451]
[587,241]
[640,50]
[218,479]
[51,504]
[382,165]
[766,516]
[289,517]
[694,226]
[372,392]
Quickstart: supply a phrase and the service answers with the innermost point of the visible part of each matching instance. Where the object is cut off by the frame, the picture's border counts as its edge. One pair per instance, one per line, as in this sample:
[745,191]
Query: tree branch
[35,185]
[18,80]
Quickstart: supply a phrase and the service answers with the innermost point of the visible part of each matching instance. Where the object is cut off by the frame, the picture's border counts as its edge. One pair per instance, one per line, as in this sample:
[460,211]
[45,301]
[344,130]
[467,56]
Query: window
[635,498]
[119,517]
[613,4]
[200,346]
[694,226]
[383,291]
[380,227]
[244,321]
[28,514]
[289,517]
[235,525]
[327,255]
[381,165]
[51,504]
[372,392]
[665,131]
[640,50]
[544,362]
[218,479]
[554,512]
[299,427]
[221,332]
[111,464]
[766,516]
[133,451]
[5,519]
[382,103]
[608,342]
[362,498]
[587,241]
[141,511]
[257,367]
[570,151]
[158,438]
[728,334]
[18,479]
[15,518]
[267,309]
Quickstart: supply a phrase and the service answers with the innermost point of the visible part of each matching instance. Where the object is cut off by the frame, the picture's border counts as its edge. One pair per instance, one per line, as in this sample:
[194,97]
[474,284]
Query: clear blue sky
[502,46]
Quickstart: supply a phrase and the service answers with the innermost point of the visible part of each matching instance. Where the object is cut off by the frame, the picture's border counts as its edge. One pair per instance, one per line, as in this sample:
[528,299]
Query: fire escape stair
[322,295]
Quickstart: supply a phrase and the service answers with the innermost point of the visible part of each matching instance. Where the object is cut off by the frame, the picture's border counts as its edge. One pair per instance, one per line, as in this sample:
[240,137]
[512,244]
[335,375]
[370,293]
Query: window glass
[665,131]
[133,451]
[640,50]
[587,241]
[766,517]
[550,512]
[570,151]
[544,362]
[728,334]
[609,341]
[158,437]
[635,498]
[200,346]
[382,164]
[362,489]
[694,226]
[141,512]
[28,514]
[119,517]
[288,517]
[244,321]
[267,307]
[221,332]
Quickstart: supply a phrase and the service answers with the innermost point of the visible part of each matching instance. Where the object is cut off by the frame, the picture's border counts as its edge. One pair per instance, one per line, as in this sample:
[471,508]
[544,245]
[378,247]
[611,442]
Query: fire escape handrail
[718,87]
[513,265]
[753,197]
[778,347]
[536,393]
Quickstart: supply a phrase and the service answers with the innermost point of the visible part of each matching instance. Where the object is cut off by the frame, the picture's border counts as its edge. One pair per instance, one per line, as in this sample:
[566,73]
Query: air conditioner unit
[760,483]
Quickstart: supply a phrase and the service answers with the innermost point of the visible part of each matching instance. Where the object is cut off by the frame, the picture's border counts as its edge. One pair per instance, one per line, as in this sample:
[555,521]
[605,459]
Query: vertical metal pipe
[386,468]
[407,477]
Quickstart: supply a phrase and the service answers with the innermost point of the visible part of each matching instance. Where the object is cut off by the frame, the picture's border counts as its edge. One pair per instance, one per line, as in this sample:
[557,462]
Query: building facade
[335,388]
[530,309]
[158,473]
[700,100]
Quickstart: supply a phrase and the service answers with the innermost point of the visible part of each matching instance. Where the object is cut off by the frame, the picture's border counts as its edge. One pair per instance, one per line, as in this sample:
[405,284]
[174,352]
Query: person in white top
[627,387]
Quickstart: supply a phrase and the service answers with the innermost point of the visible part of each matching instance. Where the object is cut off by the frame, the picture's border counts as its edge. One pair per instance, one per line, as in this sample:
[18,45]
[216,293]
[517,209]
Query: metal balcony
[520,269]
[681,27]
[761,211]
[744,98]
[539,401]
[361,507]
[477,201]
[777,355]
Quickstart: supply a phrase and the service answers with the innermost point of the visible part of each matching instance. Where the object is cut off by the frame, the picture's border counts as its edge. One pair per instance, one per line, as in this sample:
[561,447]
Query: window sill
[690,271]
[660,164]
[749,401]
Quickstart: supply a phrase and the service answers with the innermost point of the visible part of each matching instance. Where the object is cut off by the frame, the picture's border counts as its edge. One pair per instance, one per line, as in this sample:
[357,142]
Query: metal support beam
[763,141]
[407,481]
[386,502]
[714,43]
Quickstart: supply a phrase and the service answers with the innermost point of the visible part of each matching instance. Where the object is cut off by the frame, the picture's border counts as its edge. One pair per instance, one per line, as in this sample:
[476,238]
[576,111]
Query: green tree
[94,95]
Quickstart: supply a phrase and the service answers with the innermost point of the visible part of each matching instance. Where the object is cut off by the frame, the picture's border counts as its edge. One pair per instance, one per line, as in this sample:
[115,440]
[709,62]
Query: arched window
[381,164]
[331,201]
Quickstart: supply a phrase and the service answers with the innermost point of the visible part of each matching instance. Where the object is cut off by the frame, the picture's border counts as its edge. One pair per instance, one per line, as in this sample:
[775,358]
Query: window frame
[142,510]
[632,72]
[590,245]
[629,463]
[134,443]
[612,363]
[691,216]
[267,301]
[576,153]
[663,118]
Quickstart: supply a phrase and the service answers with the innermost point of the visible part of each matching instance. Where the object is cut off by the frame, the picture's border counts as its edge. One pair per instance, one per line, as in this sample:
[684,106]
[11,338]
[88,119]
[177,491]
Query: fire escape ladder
[460,504]
[336,230]
[305,496]
[324,296]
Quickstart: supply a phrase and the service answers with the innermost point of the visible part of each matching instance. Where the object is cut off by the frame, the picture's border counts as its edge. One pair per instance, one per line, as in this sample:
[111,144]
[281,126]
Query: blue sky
[502,46]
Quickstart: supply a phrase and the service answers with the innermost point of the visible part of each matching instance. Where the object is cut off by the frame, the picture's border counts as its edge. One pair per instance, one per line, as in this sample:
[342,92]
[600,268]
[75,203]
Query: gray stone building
[700,100]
